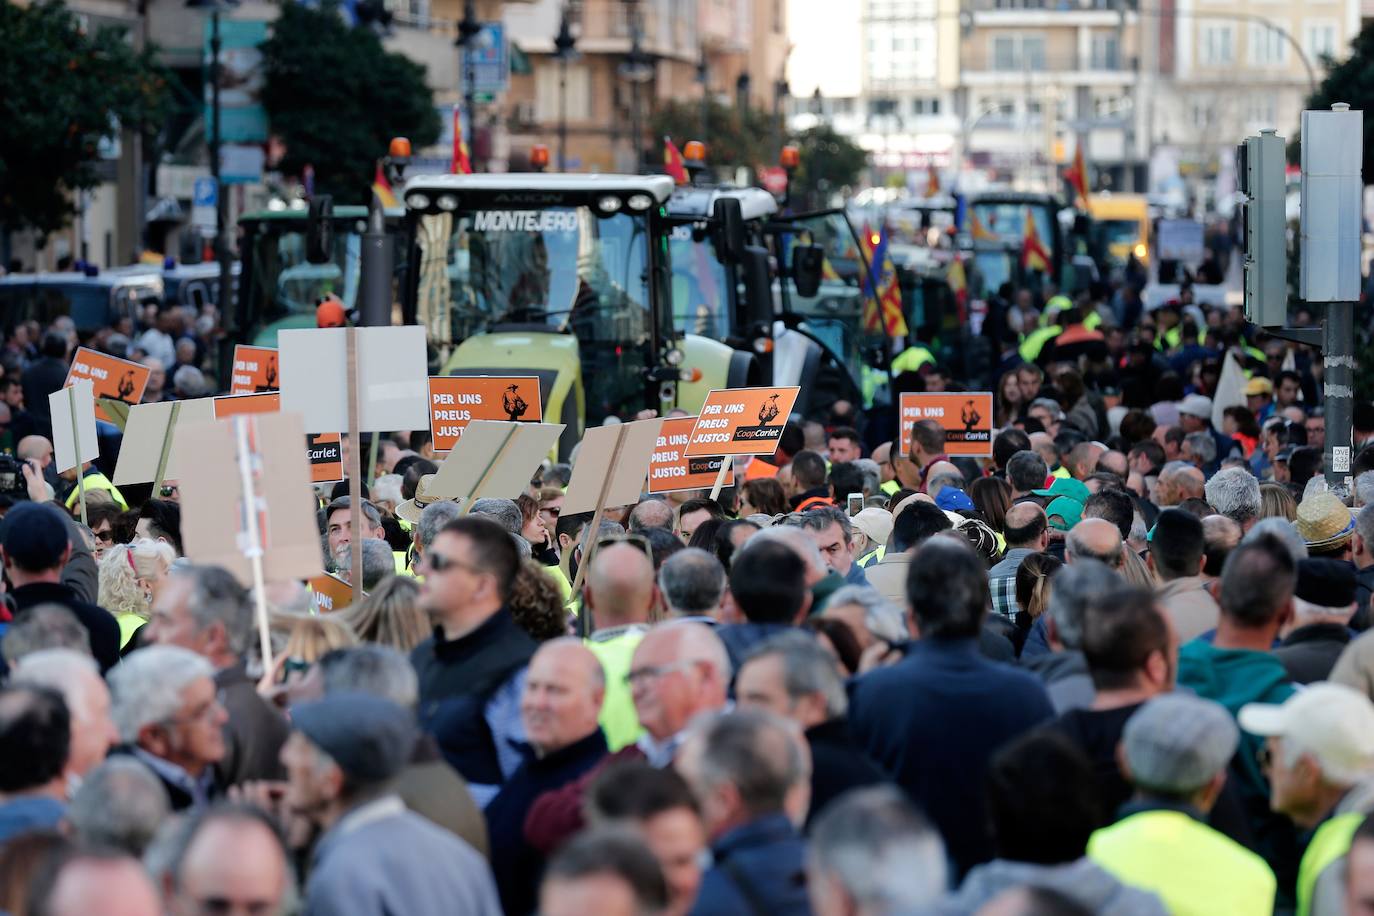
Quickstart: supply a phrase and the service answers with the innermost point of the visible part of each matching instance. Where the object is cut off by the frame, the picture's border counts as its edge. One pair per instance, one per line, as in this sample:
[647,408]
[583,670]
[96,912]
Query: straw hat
[410,509]
[1324,522]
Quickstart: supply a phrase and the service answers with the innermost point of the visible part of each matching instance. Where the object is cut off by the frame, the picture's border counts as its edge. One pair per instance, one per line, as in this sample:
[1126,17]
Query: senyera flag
[883,310]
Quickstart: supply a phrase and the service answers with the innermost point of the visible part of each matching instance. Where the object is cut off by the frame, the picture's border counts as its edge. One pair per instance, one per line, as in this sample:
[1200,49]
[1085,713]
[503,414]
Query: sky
[825,47]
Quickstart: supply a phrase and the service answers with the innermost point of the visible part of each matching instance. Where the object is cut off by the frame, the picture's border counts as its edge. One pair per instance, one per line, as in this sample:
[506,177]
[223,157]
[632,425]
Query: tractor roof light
[399,148]
[539,156]
[694,151]
[790,157]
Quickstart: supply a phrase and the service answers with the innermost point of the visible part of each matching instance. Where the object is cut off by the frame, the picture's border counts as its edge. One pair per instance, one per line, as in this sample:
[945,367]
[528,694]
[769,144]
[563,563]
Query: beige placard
[73,424]
[597,462]
[146,431]
[213,522]
[494,458]
[393,378]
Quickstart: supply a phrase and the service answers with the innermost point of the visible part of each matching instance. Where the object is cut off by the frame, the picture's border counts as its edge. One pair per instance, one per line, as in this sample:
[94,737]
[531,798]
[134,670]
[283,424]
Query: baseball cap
[1066,486]
[370,738]
[1197,405]
[1176,743]
[876,523]
[34,536]
[1069,510]
[952,499]
[1332,722]
[1258,385]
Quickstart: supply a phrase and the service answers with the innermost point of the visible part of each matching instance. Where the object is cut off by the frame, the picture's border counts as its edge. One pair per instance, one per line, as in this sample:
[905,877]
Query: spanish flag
[673,163]
[382,188]
[958,282]
[1034,255]
[980,232]
[461,164]
[1078,177]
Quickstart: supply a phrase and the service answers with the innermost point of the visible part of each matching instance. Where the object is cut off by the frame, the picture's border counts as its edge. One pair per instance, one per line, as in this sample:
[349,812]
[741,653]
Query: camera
[12,483]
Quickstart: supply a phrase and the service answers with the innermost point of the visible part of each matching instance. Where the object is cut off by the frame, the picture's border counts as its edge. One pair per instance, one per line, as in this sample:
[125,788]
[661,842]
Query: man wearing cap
[374,856]
[1175,749]
[472,669]
[874,526]
[35,545]
[1195,416]
[1326,525]
[1026,532]
[1322,605]
[1177,553]
[1320,758]
[1259,397]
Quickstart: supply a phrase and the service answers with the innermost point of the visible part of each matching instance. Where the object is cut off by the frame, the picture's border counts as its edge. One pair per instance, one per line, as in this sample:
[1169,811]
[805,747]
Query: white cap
[1332,722]
[1196,405]
[876,523]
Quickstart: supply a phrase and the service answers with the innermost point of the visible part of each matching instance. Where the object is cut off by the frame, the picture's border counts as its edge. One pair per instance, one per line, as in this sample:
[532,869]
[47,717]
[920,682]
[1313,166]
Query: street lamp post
[564,50]
[222,252]
[469,27]
[637,68]
[704,77]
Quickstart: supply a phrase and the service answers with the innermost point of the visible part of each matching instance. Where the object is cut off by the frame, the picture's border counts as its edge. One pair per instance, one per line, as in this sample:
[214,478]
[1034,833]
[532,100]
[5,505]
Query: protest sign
[73,425]
[455,401]
[255,370]
[148,451]
[741,421]
[110,376]
[493,458]
[233,405]
[612,463]
[329,593]
[670,470]
[966,417]
[325,451]
[392,380]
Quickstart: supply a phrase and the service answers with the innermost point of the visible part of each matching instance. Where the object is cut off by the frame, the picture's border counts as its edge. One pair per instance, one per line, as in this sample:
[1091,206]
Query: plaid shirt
[1002,582]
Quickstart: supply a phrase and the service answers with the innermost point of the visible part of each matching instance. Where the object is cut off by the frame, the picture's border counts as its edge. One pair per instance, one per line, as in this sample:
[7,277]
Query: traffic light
[1260,171]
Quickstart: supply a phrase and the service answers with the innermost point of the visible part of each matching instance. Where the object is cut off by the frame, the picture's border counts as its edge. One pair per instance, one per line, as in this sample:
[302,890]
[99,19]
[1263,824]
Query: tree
[733,138]
[1351,80]
[336,97]
[829,161]
[62,91]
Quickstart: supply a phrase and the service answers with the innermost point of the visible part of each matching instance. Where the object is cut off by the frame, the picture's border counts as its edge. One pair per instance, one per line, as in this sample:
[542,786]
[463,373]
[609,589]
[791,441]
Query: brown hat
[410,509]
[1324,522]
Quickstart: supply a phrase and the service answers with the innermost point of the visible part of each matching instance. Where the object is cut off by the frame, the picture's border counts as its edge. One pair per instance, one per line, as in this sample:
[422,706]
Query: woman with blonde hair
[1276,501]
[1033,586]
[130,576]
[389,615]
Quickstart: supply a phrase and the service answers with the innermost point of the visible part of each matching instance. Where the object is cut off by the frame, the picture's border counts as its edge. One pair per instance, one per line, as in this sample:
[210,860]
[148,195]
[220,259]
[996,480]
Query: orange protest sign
[741,421]
[111,377]
[456,400]
[326,457]
[231,405]
[329,593]
[255,370]
[965,415]
[670,469]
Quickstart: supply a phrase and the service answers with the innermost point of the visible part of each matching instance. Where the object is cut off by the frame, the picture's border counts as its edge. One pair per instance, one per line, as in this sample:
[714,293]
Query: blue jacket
[759,870]
[934,719]
[741,638]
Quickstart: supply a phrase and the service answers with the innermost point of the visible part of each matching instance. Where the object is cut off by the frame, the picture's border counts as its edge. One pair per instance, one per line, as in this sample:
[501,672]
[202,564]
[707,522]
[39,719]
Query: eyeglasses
[169,490]
[654,672]
[438,563]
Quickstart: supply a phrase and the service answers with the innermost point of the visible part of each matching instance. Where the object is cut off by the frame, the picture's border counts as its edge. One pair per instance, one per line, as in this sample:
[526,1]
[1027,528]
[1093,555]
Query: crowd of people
[1120,666]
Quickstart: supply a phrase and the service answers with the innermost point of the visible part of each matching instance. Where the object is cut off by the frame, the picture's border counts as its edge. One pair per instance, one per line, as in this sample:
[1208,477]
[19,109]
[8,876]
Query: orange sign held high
[325,451]
[741,421]
[111,377]
[965,415]
[255,370]
[456,400]
[669,467]
[231,405]
[329,593]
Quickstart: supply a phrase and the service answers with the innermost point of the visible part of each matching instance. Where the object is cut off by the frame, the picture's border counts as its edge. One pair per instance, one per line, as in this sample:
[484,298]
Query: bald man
[1178,481]
[680,670]
[563,693]
[620,593]
[1094,539]
[36,448]
[1026,531]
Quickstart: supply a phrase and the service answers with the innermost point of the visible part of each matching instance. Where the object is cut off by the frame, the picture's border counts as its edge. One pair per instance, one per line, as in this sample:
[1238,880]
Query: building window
[1319,39]
[1105,52]
[1259,110]
[1018,52]
[1268,48]
[547,96]
[925,106]
[1216,44]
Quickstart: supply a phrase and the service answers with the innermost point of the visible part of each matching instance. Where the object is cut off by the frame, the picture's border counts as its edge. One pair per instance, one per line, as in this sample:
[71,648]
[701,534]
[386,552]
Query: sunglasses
[438,563]
[170,490]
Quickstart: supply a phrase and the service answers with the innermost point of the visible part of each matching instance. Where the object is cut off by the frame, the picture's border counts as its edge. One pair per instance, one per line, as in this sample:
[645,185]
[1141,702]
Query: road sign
[204,202]
[489,60]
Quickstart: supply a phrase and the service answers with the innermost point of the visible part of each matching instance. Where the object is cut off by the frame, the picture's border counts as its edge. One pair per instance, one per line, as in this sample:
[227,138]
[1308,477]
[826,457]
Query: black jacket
[40,379]
[254,734]
[100,624]
[516,865]
[838,764]
[1364,588]
[1309,653]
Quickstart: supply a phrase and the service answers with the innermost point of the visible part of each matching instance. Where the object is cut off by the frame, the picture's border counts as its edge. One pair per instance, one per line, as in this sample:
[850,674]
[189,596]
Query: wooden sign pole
[253,550]
[166,449]
[725,462]
[486,472]
[584,623]
[355,461]
[372,460]
[76,445]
